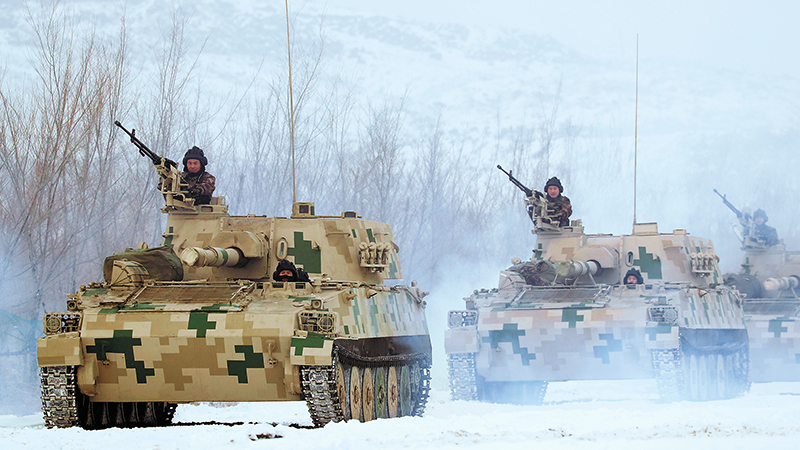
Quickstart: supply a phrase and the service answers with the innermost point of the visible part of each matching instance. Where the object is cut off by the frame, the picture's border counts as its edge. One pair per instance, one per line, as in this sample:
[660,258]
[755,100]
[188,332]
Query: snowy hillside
[701,125]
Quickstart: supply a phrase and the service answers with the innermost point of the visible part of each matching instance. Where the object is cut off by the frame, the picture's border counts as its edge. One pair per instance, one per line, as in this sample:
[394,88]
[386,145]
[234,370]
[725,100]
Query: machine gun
[528,192]
[749,238]
[544,219]
[739,215]
[172,184]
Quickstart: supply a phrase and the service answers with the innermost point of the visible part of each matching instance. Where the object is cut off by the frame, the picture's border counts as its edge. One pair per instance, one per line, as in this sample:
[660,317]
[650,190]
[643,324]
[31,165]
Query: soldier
[558,206]
[633,276]
[287,272]
[763,232]
[201,183]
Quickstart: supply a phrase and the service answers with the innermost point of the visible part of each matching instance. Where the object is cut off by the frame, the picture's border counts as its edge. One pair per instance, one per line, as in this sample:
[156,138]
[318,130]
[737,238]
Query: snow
[576,415]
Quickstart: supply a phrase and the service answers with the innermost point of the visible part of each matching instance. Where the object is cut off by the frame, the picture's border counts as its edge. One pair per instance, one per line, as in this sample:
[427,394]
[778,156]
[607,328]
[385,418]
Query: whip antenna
[291,99]
[636,131]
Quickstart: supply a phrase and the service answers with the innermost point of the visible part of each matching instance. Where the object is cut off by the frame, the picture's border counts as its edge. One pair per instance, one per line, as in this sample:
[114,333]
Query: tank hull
[774,340]
[769,278]
[253,347]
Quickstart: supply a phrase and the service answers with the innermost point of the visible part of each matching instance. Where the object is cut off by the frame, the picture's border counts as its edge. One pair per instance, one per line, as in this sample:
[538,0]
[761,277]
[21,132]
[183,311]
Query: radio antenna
[291,99]
[636,131]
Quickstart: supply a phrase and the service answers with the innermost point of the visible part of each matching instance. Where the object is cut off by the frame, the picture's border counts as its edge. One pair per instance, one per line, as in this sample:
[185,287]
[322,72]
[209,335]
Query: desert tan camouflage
[227,332]
[566,315]
[769,280]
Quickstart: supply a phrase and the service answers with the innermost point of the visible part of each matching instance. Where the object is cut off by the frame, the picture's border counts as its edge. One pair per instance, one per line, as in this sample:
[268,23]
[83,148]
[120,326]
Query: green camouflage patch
[602,352]
[168,237]
[252,360]
[776,326]
[305,255]
[660,328]
[198,320]
[571,316]
[122,342]
[142,307]
[510,333]
[313,340]
[649,264]
[96,291]
[537,254]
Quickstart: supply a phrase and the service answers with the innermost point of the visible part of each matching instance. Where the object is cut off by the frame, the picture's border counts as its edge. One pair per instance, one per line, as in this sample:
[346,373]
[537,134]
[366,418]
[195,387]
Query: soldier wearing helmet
[633,277]
[763,232]
[201,183]
[558,206]
[287,272]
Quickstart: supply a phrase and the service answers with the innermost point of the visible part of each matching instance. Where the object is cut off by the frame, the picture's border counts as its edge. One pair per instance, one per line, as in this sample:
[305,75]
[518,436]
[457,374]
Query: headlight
[318,321]
[663,314]
[55,323]
[462,318]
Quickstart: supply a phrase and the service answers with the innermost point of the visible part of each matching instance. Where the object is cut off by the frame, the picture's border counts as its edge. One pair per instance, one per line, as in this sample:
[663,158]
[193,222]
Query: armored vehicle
[201,319]
[769,280]
[567,314]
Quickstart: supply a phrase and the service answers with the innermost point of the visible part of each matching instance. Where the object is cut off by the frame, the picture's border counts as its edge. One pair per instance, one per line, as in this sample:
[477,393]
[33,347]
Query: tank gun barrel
[571,269]
[781,284]
[213,257]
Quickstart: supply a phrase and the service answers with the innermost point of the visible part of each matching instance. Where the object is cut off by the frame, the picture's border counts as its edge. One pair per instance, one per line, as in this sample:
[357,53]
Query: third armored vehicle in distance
[769,279]
[567,315]
[215,326]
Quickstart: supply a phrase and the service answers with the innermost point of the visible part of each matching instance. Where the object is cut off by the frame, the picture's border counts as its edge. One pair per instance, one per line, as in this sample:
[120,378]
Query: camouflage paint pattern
[593,327]
[231,333]
[772,316]
[774,347]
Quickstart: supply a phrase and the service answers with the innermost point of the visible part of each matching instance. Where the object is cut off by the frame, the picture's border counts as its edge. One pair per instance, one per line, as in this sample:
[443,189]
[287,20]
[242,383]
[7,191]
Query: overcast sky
[741,35]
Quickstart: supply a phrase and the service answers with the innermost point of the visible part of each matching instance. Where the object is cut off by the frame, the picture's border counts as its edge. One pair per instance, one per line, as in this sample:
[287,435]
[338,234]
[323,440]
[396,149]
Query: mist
[402,114]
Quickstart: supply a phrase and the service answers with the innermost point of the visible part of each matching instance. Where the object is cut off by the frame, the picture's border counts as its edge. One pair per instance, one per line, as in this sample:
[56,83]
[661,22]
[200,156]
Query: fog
[542,88]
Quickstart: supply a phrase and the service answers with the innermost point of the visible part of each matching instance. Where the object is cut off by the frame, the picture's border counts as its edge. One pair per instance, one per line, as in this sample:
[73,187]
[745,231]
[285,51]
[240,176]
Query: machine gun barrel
[143,149]
[172,185]
[738,213]
[528,192]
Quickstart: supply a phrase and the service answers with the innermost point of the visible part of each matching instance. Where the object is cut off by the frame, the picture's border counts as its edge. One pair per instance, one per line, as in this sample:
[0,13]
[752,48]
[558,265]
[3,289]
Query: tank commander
[633,276]
[558,206]
[201,183]
[761,231]
[287,272]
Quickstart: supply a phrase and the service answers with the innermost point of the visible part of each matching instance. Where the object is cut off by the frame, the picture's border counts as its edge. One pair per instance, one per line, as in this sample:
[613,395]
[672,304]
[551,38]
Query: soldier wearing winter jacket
[761,231]
[201,183]
[558,206]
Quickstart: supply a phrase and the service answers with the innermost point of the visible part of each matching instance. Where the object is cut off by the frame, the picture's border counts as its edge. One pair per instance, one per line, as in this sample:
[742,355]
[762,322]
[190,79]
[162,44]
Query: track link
[321,386]
[462,376]
[63,405]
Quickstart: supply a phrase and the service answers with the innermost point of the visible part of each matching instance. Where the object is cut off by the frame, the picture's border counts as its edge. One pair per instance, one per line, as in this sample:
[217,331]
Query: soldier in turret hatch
[633,276]
[287,272]
[558,205]
[201,183]
[761,231]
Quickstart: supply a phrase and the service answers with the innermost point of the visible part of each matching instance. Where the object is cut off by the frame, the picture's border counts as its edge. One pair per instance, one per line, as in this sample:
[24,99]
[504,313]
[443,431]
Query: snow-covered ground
[576,415]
